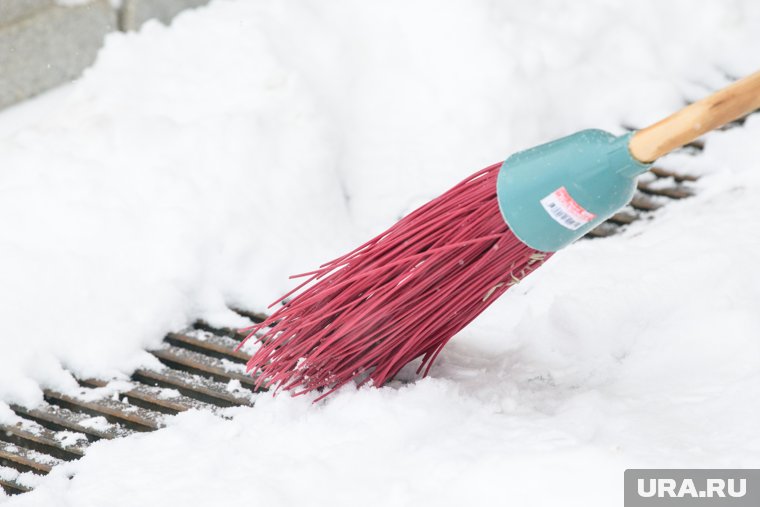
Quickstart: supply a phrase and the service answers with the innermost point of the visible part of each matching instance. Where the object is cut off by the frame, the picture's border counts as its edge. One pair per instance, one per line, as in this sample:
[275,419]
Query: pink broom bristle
[398,297]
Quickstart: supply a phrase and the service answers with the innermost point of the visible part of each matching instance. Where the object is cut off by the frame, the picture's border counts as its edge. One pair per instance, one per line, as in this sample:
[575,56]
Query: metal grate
[200,370]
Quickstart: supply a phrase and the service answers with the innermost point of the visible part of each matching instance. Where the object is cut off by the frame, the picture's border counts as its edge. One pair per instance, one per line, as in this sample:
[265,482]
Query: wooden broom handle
[678,129]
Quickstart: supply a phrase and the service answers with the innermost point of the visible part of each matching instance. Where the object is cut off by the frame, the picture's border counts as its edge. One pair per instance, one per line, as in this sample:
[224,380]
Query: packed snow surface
[196,166]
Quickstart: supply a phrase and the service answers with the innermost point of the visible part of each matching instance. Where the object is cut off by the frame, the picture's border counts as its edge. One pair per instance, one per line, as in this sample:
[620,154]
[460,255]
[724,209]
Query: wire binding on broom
[400,296]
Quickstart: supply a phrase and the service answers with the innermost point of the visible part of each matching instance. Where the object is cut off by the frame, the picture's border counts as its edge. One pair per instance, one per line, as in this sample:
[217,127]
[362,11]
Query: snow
[97,423]
[70,438]
[72,3]
[196,166]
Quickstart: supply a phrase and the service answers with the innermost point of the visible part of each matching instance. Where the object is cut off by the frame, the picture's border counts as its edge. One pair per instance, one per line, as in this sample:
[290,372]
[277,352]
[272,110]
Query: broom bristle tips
[400,296]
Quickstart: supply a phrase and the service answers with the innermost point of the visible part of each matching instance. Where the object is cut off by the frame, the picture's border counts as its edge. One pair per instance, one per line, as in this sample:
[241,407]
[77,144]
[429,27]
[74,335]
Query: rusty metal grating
[200,370]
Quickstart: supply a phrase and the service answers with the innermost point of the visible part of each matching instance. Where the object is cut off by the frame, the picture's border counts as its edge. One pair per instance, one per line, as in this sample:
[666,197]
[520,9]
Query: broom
[403,294]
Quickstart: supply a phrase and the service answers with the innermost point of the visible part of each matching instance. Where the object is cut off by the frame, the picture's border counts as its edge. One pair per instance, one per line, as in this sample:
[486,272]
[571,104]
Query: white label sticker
[563,208]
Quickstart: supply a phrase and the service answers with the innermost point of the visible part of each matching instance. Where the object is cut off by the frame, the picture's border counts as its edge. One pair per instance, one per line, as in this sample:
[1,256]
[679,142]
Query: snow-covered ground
[198,165]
